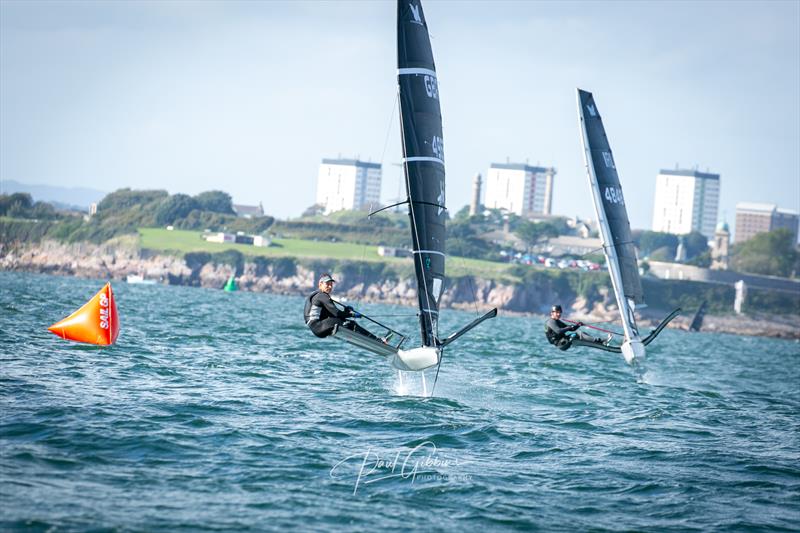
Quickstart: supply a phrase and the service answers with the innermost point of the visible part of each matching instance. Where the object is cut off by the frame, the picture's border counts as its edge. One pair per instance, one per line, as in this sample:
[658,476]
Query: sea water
[220,411]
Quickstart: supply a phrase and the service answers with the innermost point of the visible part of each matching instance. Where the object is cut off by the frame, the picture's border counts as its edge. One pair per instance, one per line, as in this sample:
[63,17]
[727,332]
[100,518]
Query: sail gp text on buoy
[104,311]
[96,322]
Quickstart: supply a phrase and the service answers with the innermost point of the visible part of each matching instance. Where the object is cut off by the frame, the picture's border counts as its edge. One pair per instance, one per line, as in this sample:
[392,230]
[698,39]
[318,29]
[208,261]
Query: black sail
[423,153]
[613,202]
[697,321]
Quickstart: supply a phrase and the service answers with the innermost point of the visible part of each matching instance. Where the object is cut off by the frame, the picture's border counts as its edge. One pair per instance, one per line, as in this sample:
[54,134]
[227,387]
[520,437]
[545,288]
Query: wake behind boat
[615,232]
[423,165]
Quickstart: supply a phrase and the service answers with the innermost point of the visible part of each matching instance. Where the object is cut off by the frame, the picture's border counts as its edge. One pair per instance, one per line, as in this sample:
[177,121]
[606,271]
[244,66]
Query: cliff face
[117,261]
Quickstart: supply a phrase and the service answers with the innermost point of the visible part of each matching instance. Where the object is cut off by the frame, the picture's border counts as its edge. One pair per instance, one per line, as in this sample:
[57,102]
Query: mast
[423,161]
[612,218]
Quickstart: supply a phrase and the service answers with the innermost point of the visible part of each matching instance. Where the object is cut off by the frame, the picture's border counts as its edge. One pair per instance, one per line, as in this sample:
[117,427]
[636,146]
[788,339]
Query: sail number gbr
[613,195]
[431,87]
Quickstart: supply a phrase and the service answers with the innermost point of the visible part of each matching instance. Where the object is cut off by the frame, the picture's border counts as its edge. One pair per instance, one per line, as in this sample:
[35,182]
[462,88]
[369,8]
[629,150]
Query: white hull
[633,350]
[415,359]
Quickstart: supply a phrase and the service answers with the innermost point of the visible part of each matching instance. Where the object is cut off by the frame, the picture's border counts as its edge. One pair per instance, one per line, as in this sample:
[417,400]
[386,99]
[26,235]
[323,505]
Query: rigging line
[361,269]
[383,154]
[436,379]
[391,121]
[406,315]
[594,327]
[603,248]
[471,288]
[384,326]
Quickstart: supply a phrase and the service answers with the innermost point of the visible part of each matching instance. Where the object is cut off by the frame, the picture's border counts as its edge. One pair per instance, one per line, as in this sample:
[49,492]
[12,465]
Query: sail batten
[423,160]
[407,71]
[418,159]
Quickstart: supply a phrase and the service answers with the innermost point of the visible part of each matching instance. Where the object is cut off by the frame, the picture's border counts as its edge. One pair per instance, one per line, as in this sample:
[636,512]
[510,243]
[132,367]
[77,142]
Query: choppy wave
[218,411]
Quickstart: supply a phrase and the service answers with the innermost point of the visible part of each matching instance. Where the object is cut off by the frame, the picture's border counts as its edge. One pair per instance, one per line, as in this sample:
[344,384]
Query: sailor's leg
[323,328]
[349,324]
[586,337]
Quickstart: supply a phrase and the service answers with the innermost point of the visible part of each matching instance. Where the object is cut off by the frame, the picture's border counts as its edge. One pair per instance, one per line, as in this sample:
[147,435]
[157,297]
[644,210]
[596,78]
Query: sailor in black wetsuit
[321,314]
[559,332]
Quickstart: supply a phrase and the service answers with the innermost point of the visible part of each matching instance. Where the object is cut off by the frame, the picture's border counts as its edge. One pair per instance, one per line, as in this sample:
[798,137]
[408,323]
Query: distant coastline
[289,277]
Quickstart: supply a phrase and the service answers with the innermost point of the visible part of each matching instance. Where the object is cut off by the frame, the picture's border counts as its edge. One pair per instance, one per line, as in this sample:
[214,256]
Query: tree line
[125,210]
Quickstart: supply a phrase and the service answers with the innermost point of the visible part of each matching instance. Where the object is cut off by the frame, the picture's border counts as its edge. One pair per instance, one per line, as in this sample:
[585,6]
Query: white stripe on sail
[428,252]
[407,71]
[428,159]
[431,311]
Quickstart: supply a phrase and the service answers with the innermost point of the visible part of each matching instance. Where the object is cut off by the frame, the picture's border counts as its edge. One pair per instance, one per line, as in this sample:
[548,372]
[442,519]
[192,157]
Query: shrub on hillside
[215,202]
[123,199]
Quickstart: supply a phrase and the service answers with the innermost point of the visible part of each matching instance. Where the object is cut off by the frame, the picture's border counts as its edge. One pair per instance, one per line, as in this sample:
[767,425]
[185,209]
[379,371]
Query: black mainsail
[697,321]
[423,160]
[615,229]
[423,164]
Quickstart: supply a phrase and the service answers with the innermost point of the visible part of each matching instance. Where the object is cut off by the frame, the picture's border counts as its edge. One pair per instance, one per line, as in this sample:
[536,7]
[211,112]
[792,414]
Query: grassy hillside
[179,242]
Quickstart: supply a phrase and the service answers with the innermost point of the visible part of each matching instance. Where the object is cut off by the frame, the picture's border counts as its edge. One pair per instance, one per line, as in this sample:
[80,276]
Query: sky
[249,97]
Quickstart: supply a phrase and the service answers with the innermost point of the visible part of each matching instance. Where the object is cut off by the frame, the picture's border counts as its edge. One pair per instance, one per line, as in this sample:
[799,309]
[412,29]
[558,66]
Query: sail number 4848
[614,195]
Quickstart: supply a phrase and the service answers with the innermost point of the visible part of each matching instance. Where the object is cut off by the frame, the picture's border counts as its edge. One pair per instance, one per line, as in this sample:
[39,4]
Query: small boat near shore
[139,279]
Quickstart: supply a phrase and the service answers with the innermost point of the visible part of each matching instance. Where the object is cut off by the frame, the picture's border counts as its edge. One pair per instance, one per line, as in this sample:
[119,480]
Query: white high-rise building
[519,188]
[686,201]
[348,184]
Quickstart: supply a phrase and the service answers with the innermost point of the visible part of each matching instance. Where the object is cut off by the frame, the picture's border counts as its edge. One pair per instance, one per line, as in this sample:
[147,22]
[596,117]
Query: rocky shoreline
[117,260]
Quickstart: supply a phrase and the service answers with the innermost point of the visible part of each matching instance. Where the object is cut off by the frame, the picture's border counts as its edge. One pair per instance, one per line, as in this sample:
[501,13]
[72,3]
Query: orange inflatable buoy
[96,322]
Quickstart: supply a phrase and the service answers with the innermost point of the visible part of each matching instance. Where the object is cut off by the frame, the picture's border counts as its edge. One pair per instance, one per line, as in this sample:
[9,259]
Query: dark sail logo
[415,13]
[437,145]
[431,87]
[608,160]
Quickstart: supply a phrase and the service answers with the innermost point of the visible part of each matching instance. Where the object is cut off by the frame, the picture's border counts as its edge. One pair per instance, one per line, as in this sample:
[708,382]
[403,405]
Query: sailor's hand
[356,314]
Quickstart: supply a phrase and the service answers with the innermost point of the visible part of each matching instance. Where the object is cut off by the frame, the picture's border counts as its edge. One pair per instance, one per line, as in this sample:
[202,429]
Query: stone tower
[719,252]
[475,205]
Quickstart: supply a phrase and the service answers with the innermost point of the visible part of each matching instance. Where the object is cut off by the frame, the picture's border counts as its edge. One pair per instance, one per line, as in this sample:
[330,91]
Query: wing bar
[457,334]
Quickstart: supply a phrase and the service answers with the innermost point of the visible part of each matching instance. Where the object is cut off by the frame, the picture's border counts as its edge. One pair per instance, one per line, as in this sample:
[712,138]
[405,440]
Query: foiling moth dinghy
[423,165]
[615,232]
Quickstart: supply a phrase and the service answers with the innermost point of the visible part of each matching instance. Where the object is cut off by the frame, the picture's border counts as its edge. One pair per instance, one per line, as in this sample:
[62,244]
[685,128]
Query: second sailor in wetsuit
[558,331]
[322,315]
